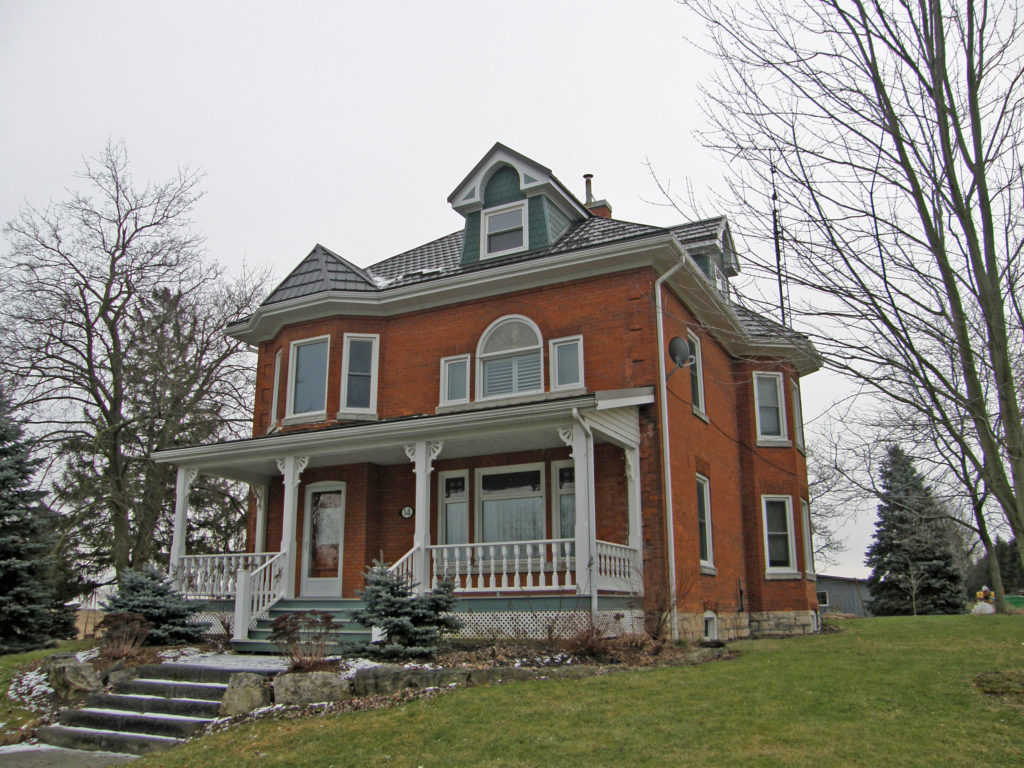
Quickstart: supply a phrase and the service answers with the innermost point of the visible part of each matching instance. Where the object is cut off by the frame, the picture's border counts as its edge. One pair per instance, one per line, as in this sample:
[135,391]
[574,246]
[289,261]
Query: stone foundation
[736,626]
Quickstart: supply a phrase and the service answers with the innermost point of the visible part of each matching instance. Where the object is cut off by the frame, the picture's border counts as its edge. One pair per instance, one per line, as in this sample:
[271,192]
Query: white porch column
[186,476]
[260,491]
[422,454]
[581,445]
[291,467]
[635,540]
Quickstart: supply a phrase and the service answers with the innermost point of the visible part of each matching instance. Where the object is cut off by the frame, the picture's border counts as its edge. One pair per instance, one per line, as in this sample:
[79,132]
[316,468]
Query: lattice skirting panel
[216,619]
[540,625]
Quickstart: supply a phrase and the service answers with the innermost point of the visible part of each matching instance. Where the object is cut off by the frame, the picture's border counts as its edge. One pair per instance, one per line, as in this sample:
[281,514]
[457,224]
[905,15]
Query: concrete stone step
[149,724]
[191,673]
[99,740]
[148,703]
[265,646]
[171,689]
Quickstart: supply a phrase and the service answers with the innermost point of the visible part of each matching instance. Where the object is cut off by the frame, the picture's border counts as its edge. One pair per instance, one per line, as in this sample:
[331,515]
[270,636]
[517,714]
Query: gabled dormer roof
[534,178]
[322,270]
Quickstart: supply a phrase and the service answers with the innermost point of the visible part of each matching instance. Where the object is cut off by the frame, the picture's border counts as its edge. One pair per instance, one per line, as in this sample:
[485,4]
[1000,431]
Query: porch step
[158,709]
[346,632]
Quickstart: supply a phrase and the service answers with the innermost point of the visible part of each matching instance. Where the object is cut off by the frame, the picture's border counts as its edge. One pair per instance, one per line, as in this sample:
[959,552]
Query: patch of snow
[178,654]
[266,710]
[30,689]
[231,660]
[381,282]
[87,655]
[354,665]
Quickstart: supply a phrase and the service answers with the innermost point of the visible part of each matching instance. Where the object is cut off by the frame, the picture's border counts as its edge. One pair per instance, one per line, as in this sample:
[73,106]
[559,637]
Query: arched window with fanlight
[510,358]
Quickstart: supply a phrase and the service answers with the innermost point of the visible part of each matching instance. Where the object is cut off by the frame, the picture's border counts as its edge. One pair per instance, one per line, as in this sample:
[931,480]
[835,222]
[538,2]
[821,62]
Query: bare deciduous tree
[113,318]
[894,130]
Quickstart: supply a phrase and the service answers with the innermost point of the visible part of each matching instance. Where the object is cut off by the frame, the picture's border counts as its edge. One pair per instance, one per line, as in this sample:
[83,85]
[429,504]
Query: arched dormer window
[510,358]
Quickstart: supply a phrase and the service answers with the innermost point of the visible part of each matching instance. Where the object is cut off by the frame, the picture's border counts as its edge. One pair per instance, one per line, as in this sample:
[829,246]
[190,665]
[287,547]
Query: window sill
[773,442]
[304,418]
[782,575]
[701,415]
[708,570]
[357,416]
[526,398]
[811,576]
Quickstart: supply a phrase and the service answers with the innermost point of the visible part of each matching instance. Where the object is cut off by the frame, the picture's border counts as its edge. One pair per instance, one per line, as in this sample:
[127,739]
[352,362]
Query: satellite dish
[679,351]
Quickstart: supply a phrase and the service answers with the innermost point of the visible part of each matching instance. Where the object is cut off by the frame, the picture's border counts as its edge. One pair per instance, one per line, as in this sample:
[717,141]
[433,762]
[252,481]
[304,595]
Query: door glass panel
[325,523]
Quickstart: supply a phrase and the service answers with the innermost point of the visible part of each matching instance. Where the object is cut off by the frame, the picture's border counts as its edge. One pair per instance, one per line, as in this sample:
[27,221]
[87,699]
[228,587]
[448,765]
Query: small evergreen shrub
[303,637]
[149,594]
[412,624]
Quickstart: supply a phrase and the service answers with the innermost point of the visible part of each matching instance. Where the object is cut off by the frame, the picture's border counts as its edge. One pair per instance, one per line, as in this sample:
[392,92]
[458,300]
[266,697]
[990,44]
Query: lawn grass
[13,717]
[881,692]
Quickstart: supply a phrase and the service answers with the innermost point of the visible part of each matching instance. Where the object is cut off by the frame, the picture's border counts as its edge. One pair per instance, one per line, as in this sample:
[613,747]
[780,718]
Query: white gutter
[666,456]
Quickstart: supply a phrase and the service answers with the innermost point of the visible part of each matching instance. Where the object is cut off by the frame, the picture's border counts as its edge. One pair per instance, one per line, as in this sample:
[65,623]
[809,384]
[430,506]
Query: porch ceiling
[504,429]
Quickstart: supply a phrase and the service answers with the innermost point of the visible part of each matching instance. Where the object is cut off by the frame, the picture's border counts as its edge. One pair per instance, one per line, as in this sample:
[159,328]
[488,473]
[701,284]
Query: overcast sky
[349,124]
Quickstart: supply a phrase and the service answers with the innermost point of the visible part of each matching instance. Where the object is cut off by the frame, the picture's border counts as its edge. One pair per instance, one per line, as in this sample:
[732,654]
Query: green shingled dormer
[512,205]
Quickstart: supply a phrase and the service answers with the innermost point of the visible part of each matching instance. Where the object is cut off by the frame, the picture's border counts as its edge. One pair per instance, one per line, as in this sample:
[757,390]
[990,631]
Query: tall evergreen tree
[913,570]
[31,612]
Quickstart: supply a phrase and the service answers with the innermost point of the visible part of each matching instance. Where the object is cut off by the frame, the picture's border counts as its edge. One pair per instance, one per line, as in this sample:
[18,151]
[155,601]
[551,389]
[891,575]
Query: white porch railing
[403,566]
[544,564]
[618,567]
[256,591]
[212,577]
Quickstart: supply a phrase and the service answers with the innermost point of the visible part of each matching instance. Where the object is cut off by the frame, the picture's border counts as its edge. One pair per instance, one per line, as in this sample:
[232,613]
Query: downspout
[591,512]
[666,466]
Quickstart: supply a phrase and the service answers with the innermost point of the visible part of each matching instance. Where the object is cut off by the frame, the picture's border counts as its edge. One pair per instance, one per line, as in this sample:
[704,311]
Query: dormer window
[504,230]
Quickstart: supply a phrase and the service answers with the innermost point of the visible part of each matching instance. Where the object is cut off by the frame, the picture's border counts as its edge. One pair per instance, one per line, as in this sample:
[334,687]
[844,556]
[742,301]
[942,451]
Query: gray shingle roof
[760,328]
[322,270]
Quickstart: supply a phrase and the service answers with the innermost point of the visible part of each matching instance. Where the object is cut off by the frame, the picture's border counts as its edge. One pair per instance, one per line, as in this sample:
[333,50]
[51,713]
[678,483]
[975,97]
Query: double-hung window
[566,357]
[509,359]
[780,552]
[307,380]
[276,392]
[707,555]
[798,417]
[504,230]
[770,406]
[359,374]
[563,492]
[511,503]
[455,380]
[805,518]
[696,374]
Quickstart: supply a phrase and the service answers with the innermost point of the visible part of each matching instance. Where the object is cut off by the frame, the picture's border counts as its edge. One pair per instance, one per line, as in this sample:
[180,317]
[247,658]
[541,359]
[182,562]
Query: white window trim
[713,617]
[499,209]
[698,363]
[445,361]
[274,399]
[478,493]
[798,417]
[805,517]
[553,345]
[786,572]
[442,510]
[292,371]
[782,438]
[704,484]
[556,494]
[481,358]
[372,409]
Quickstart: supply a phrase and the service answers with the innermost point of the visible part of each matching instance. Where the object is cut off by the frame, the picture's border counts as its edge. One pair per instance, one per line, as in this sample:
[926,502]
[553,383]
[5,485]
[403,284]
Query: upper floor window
[707,557]
[509,359]
[805,519]
[798,417]
[359,373]
[505,229]
[696,374]
[455,380]
[277,391]
[307,383]
[567,363]
[770,406]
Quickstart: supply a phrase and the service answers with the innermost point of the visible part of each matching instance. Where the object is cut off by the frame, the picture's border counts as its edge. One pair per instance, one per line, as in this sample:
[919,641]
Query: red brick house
[558,410]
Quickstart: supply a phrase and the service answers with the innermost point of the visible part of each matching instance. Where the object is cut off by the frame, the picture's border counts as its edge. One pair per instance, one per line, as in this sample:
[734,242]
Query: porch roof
[472,432]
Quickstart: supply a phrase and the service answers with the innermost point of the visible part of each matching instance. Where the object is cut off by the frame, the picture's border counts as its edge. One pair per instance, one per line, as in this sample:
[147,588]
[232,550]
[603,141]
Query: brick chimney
[600,208]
